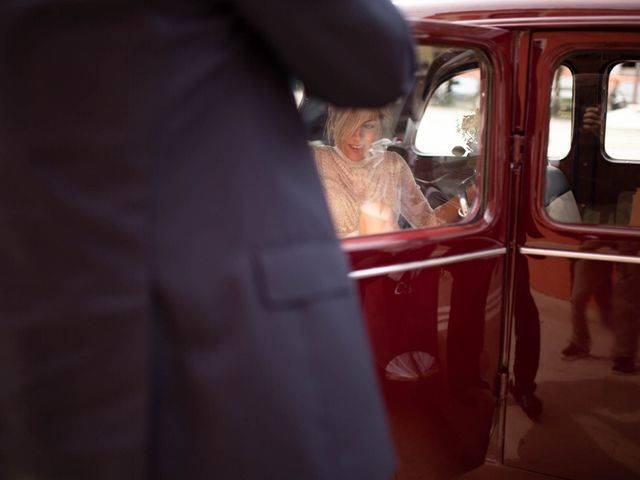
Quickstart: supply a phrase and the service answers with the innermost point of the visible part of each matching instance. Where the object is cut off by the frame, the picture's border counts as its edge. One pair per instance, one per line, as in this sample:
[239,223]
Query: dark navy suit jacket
[173,301]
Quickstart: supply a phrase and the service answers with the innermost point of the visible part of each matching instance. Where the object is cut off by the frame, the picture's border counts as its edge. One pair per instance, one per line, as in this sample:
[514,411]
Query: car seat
[559,201]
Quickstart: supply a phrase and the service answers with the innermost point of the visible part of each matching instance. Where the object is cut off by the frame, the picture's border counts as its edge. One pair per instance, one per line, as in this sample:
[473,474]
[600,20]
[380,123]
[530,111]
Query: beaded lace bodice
[382,179]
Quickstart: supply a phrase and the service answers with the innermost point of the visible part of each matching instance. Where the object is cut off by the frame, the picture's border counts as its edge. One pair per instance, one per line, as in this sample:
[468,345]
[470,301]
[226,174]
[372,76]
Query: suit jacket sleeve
[349,52]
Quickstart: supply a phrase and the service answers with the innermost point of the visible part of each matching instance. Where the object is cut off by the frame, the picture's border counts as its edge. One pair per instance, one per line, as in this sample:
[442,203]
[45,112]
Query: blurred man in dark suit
[173,300]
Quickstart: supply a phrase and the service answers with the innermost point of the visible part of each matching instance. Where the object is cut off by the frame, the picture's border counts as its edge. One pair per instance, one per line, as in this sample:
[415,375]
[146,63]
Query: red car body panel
[456,292]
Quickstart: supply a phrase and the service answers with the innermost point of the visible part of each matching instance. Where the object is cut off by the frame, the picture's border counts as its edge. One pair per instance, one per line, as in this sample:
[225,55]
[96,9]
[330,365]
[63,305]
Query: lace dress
[368,196]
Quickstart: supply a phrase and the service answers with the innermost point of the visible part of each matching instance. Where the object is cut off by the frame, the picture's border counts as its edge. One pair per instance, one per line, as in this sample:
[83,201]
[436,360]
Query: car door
[579,235]
[434,297]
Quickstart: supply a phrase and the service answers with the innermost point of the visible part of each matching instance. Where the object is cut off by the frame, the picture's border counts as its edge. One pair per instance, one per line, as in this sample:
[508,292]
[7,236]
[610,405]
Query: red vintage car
[509,338]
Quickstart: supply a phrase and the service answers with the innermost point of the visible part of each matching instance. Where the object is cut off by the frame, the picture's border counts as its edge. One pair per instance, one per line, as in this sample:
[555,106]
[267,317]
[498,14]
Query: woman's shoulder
[325,156]
[394,161]
[320,147]
[392,156]
[321,151]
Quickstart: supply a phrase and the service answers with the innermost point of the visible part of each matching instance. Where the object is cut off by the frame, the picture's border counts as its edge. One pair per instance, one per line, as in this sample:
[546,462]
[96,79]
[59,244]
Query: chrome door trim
[431,262]
[603,257]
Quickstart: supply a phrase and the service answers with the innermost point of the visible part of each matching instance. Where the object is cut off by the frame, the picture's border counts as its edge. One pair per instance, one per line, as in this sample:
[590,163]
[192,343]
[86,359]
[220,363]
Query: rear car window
[593,169]
[622,125]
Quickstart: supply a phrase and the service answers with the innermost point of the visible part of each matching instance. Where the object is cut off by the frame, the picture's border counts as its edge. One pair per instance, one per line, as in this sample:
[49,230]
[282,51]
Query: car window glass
[622,131]
[560,119]
[595,178]
[447,122]
[394,169]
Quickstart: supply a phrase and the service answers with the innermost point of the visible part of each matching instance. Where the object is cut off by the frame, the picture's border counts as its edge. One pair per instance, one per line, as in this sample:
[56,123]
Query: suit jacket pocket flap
[302,272]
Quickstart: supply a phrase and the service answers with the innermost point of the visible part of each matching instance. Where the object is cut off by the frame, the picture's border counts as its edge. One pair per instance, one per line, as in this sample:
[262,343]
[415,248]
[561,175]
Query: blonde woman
[366,186]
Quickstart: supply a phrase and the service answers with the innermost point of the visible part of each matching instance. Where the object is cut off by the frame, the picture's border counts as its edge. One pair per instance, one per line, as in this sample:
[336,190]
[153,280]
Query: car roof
[525,13]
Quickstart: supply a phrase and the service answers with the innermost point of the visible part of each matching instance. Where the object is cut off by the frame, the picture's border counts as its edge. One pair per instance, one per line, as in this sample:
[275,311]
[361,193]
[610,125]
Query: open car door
[435,299]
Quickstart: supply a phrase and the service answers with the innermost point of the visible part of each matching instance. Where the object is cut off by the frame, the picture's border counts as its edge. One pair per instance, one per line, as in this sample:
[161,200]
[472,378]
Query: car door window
[593,171]
[622,124]
[450,124]
[414,164]
[561,117]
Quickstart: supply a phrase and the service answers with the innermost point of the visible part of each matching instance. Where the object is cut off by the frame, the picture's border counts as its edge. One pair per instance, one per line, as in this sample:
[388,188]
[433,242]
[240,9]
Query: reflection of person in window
[368,187]
[626,309]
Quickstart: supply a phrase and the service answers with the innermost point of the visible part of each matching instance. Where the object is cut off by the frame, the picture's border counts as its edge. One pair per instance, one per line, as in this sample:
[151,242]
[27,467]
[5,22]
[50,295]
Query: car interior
[428,129]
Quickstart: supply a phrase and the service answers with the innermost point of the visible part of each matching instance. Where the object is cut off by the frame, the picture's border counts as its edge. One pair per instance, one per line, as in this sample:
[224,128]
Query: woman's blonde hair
[342,122]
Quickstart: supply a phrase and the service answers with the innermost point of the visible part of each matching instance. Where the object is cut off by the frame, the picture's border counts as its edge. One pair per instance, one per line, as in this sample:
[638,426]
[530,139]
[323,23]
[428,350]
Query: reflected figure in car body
[367,187]
[590,279]
[611,285]
[626,308]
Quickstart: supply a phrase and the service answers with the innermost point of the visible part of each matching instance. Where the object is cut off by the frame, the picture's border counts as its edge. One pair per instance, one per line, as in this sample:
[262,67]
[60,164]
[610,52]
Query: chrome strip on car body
[432,262]
[603,257]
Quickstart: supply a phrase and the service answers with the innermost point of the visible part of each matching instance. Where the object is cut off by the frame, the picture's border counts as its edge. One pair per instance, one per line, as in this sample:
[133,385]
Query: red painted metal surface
[514,13]
[438,323]
[588,430]
[457,332]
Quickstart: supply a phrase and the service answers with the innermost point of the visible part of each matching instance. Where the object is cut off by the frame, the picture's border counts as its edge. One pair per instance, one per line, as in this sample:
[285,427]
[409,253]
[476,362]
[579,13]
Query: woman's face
[356,145]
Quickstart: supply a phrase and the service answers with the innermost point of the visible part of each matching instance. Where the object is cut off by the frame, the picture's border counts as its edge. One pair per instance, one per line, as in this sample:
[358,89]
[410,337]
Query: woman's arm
[417,210]
[414,207]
